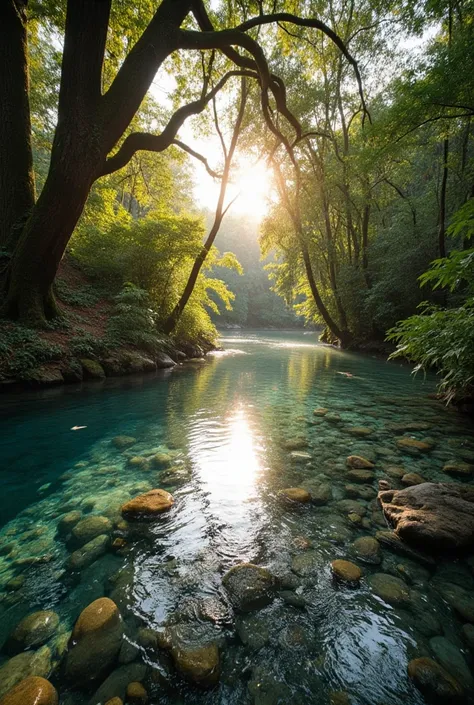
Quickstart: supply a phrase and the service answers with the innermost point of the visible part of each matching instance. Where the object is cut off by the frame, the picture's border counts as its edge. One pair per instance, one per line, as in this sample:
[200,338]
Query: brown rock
[148,505]
[436,517]
[320,412]
[31,691]
[361,476]
[295,494]
[358,462]
[436,684]
[412,444]
[461,470]
[360,431]
[114,701]
[136,694]
[412,478]
[199,665]
[346,571]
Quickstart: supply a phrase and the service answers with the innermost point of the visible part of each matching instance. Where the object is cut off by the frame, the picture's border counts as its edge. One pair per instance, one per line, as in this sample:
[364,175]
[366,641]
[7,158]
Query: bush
[133,321]
[22,350]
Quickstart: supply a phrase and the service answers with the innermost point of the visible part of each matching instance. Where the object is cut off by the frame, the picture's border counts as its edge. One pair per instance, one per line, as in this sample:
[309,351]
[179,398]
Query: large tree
[92,122]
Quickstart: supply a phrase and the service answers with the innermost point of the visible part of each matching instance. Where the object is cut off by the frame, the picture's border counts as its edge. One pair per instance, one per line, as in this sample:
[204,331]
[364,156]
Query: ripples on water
[227,420]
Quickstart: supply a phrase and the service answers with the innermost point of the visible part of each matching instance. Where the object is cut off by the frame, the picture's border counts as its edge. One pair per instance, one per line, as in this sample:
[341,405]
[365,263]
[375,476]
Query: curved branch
[197,156]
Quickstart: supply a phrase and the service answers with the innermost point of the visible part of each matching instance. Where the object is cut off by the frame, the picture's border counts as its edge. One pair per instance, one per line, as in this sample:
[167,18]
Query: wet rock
[462,470]
[15,583]
[346,572]
[384,485]
[360,491]
[295,494]
[389,588]
[339,697]
[195,653]
[95,643]
[360,431]
[359,463]
[305,563]
[321,494]
[320,412]
[122,442]
[412,478]
[147,506]
[300,455]
[33,631]
[114,701]
[451,659]
[114,687]
[91,369]
[395,471]
[333,417]
[390,540]
[437,517]
[362,476]
[29,663]
[163,361]
[68,522]
[32,690]
[351,506]
[136,694]
[292,599]
[468,634]
[408,426]
[249,586]
[462,601]
[367,549]
[295,444]
[44,375]
[253,632]
[413,445]
[434,682]
[87,554]
[88,529]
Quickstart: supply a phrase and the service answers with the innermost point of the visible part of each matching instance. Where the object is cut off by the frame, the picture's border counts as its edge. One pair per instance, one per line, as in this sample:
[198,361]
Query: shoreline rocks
[147,506]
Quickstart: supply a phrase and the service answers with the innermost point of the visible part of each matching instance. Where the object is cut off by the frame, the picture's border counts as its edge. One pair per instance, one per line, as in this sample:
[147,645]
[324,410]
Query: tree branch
[198,156]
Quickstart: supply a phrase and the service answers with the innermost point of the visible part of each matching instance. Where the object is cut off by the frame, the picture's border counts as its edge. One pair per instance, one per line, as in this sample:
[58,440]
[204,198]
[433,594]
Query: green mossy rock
[92,369]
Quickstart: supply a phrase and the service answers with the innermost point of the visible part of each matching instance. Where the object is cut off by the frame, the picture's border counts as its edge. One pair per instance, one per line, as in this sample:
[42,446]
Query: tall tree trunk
[442,202]
[17,184]
[365,244]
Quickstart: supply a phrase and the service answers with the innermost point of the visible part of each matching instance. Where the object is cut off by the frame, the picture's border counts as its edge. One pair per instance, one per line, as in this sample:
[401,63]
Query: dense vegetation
[362,112]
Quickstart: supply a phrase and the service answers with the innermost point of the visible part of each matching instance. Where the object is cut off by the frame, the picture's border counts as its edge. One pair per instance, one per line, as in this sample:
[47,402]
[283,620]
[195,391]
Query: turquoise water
[226,425]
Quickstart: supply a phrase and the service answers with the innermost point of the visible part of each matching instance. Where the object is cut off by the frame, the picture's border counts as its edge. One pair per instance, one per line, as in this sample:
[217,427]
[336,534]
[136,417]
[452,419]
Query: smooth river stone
[295,494]
[367,549]
[28,663]
[359,463]
[346,571]
[148,505]
[31,691]
[391,589]
[435,517]
[434,682]
[362,476]
[33,631]
[414,445]
[461,470]
[412,478]
[88,529]
[249,586]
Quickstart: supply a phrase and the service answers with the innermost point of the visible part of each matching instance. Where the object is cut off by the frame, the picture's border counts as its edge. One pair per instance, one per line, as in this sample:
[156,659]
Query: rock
[395,471]
[15,583]
[113,689]
[295,494]
[384,485]
[137,461]
[412,445]
[412,478]
[33,631]
[136,694]
[362,492]
[389,588]
[320,412]
[92,369]
[295,444]
[68,522]
[321,494]
[367,549]
[163,361]
[305,563]
[358,462]
[88,529]
[32,690]
[87,554]
[468,634]
[391,541]
[408,426]
[28,663]
[361,476]
[461,470]
[249,586]
[436,684]
[345,571]
[437,517]
[95,643]
[147,506]
[122,442]
[360,431]
[462,601]
[200,665]
[339,697]
[45,376]
[300,455]
[333,417]
[451,659]
[292,599]
[253,632]
[351,506]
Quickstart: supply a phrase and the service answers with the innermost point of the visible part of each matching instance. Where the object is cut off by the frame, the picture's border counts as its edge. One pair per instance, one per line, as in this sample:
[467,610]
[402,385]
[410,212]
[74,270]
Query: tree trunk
[442,202]
[17,184]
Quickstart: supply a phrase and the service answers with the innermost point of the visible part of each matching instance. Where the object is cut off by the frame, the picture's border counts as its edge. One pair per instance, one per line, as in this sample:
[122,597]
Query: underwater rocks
[249,586]
[359,463]
[346,572]
[68,522]
[390,540]
[412,478]
[436,684]
[435,517]
[89,528]
[194,649]
[147,506]
[295,494]
[122,442]
[412,445]
[95,643]
[113,689]
[461,470]
[33,631]
[389,588]
[31,691]
[28,663]
[362,476]
[320,412]
[90,552]
[367,549]
[136,694]
[321,494]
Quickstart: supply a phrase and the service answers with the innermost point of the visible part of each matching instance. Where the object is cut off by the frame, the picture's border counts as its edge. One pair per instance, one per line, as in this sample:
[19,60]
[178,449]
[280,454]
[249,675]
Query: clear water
[227,419]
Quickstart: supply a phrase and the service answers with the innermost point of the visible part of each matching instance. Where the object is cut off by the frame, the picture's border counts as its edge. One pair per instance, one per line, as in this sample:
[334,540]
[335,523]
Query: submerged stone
[360,491]
[367,549]
[450,657]
[359,463]
[147,506]
[321,494]
[320,412]
[136,694]
[393,542]
[434,682]
[360,431]
[88,529]
[361,476]
[391,589]
[436,517]
[412,478]
[113,689]
[414,445]
[295,444]
[461,470]
[305,563]
[346,571]
[32,690]
[87,554]
[295,494]
[122,442]
[68,521]
[249,586]
[33,631]
[28,663]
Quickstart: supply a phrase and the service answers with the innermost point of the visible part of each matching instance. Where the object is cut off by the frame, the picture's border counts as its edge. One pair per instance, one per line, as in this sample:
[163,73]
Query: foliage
[22,350]
[133,322]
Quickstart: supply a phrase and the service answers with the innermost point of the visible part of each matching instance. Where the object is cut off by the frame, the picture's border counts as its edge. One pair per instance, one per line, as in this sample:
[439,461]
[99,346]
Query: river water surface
[233,431]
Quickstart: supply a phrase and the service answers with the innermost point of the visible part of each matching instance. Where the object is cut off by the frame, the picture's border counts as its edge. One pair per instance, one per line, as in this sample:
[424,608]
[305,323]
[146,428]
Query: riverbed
[224,436]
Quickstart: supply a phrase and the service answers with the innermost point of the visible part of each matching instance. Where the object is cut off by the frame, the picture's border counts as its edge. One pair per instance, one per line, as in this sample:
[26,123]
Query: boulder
[362,476]
[89,528]
[147,506]
[367,549]
[249,586]
[360,431]
[194,649]
[92,369]
[87,554]
[321,494]
[450,657]
[33,631]
[32,690]
[295,494]
[436,517]
[28,663]
[391,589]
[112,690]
[436,684]
[346,572]
[320,412]
[95,643]
[359,463]
[68,521]
[163,361]
[390,540]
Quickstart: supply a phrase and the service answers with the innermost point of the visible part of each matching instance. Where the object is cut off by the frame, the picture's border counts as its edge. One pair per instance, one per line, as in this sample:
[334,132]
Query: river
[227,434]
